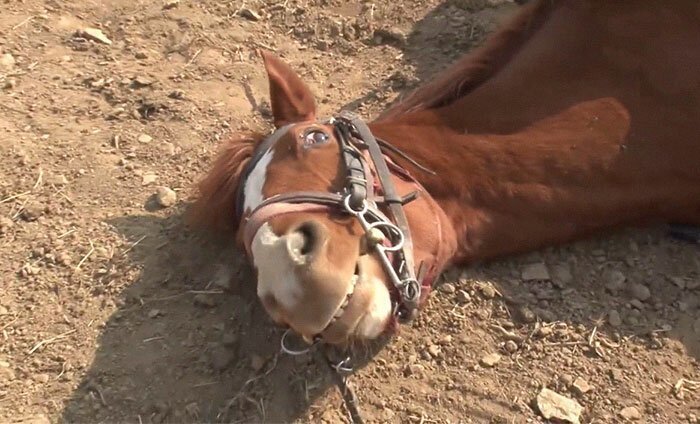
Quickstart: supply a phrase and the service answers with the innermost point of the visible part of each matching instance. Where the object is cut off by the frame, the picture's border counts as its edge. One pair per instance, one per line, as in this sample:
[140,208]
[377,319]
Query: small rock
[148,178]
[144,138]
[177,94]
[640,292]
[553,405]
[510,346]
[31,212]
[692,419]
[463,296]
[141,82]
[9,84]
[42,378]
[446,340]
[221,357]
[447,288]
[637,304]
[153,313]
[581,386]
[616,375]
[5,224]
[204,301]
[6,374]
[630,413]
[614,280]
[57,180]
[488,291]
[165,196]
[561,275]
[434,351]
[171,4]
[535,272]
[250,14]
[141,54]
[413,369]
[679,282]
[257,362]
[3,311]
[390,36]
[614,318]
[566,380]
[94,34]
[526,315]
[490,360]
[7,61]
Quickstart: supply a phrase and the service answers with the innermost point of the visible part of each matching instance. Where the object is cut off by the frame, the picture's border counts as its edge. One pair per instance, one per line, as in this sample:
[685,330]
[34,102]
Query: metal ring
[396,247]
[340,366]
[293,352]
[411,289]
[346,204]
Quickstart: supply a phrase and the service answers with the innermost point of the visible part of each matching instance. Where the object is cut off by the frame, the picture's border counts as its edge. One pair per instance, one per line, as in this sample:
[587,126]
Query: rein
[391,241]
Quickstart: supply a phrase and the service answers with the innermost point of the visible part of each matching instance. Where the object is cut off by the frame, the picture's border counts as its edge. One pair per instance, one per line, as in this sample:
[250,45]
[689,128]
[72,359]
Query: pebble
[153,313]
[448,288]
[57,180]
[637,303]
[614,318]
[94,34]
[614,280]
[42,378]
[5,224]
[566,380]
[7,61]
[250,14]
[171,4]
[390,36]
[561,275]
[413,369]
[446,340]
[144,138]
[490,360]
[581,386]
[221,358]
[434,351]
[204,301]
[616,375]
[9,84]
[679,282]
[630,413]
[149,178]
[165,196]
[463,296]
[257,362]
[488,291]
[552,405]
[535,272]
[640,292]
[3,311]
[510,346]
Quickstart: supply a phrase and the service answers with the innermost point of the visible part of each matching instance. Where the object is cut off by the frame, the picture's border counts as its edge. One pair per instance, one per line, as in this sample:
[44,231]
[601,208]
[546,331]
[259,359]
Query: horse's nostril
[310,232]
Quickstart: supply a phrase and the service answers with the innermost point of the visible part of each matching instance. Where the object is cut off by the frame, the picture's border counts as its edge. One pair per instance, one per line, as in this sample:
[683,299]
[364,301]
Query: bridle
[391,241]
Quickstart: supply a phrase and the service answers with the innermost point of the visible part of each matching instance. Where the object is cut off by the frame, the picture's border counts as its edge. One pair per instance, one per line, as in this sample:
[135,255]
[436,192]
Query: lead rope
[339,372]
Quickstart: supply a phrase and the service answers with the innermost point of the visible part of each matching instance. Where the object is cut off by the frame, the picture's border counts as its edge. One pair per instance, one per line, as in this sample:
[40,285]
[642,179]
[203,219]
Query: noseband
[391,241]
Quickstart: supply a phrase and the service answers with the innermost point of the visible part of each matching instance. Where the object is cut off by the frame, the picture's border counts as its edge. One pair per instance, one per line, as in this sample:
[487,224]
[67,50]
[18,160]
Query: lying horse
[577,117]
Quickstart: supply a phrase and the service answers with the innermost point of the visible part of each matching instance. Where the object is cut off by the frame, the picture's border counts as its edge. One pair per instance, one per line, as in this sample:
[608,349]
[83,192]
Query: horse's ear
[291,99]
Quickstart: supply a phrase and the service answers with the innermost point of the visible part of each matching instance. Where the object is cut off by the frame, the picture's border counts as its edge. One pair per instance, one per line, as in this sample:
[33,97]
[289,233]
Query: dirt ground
[112,311]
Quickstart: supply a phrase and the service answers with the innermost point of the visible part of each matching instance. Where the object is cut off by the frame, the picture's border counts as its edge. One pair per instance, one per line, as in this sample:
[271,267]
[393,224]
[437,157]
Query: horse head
[344,241]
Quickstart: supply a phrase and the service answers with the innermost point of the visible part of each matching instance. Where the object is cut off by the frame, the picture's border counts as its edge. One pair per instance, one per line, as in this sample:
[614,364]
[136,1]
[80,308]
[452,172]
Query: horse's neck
[566,176]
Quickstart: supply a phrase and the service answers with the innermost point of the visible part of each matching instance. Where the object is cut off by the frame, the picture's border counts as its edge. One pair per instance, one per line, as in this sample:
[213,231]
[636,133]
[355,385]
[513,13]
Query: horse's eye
[315,137]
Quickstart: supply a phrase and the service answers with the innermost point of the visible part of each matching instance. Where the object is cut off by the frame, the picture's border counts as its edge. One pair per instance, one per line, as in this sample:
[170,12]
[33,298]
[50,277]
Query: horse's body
[578,117]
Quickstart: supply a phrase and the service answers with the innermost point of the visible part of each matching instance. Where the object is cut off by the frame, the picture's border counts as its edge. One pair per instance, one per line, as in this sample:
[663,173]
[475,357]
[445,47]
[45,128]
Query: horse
[576,118]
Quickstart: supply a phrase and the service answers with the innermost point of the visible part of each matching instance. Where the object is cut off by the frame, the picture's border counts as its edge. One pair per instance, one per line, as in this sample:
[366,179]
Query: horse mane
[215,206]
[477,67]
